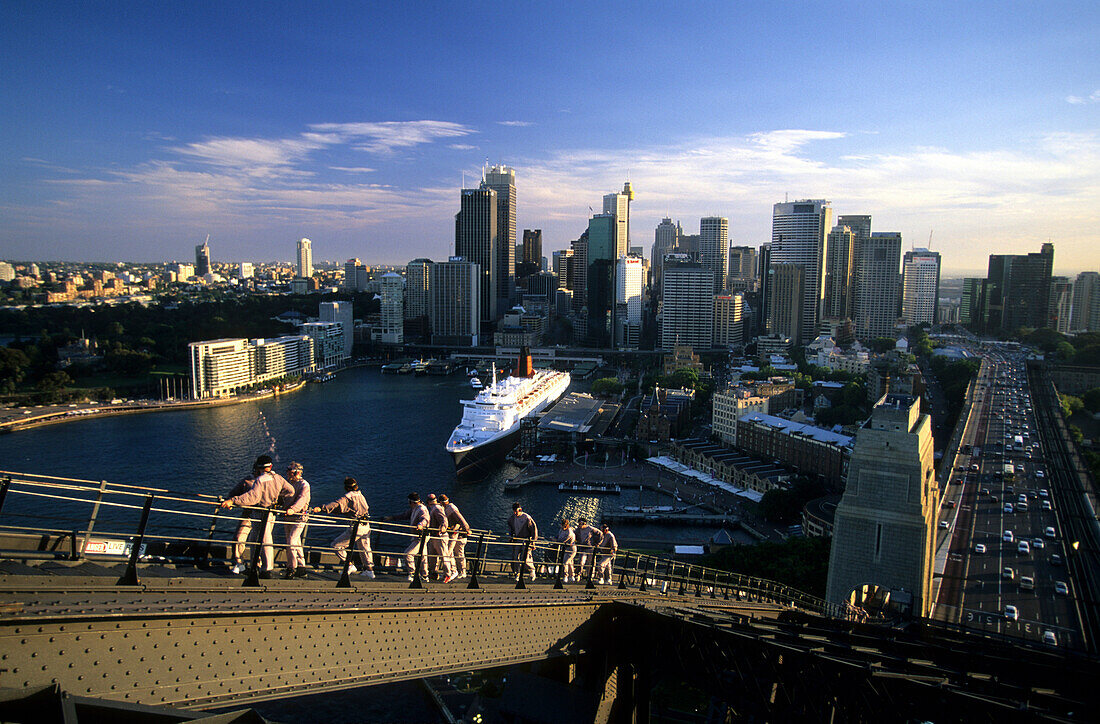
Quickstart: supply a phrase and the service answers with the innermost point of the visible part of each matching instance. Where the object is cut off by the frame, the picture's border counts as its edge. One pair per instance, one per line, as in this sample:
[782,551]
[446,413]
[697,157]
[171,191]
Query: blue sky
[129,131]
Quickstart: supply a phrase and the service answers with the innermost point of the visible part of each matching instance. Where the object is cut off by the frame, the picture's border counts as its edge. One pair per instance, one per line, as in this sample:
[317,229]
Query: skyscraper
[629,286]
[666,237]
[456,297]
[393,308]
[502,180]
[1018,290]
[417,288]
[355,275]
[786,284]
[1085,316]
[340,312]
[714,242]
[839,254]
[972,304]
[729,321]
[563,268]
[476,241]
[1061,303]
[876,285]
[202,258]
[687,307]
[618,204]
[920,286]
[885,523]
[798,237]
[600,280]
[742,268]
[305,258]
[580,271]
[532,247]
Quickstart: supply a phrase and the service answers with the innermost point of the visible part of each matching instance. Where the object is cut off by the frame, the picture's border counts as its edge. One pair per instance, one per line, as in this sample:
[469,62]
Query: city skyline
[116,150]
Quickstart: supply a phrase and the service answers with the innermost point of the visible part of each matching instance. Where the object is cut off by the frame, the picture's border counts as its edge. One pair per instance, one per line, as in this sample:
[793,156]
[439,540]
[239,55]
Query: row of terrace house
[730,466]
[810,450]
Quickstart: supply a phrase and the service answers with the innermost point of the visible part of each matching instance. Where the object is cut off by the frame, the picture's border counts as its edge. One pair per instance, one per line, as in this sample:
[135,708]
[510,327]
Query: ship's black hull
[481,461]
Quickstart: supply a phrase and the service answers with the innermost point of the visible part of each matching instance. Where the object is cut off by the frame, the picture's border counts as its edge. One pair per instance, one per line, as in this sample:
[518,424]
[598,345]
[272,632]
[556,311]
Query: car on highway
[1049,531]
[1011,613]
[1055,560]
[1027,583]
[979,548]
[1021,507]
[1038,543]
[1061,588]
[1008,574]
[1043,492]
[1024,548]
[944,525]
[1007,536]
[1044,504]
[1049,638]
[1009,508]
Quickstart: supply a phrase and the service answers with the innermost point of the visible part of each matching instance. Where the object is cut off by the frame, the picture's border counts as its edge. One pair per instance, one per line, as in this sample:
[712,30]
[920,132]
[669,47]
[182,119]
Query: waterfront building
[666,238]
[305,258]
[920,286]
[223,367]
[502,180]
[885,524]
[714,241]
[687,306]
[456,297]
[280,357]
[799,229]
[786,284]
[342,313]
[328,343]
[753,475]
[417,288]
[1085,315]
[629,289]
[246,270]
[393,309]
[805,449]
[729,322]
[875,276]
[202,258]
[476,240]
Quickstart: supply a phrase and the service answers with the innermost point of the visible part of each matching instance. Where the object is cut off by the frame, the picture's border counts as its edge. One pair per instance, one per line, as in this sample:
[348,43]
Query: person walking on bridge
[419,519]
[567,542]
[440,563]
[297,515]
[352,504]
[605,553]
[459,532]
[267,489]
[522,528]
[587,540]
[244,526]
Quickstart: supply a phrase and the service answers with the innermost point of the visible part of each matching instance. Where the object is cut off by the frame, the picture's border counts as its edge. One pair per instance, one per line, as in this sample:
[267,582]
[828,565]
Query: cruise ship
[490,422]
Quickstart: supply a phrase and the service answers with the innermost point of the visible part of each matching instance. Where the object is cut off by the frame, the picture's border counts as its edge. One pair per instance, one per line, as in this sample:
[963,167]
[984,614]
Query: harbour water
[387,431]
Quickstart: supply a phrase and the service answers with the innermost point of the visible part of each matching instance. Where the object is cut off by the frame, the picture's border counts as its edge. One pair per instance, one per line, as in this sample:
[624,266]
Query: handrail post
[645,573]
[473,584]
[726,588]
[683,585]
[130,577]
[699,583]
[591,569]
[417,581]
[520,585]
[714,588]
[622,572]
[345,579]
[91,521]
[4,491]
[252,580]
[667,587]
[561,568]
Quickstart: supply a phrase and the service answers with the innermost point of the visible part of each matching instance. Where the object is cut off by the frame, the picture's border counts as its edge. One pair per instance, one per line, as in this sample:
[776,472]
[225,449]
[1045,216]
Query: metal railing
[45,517]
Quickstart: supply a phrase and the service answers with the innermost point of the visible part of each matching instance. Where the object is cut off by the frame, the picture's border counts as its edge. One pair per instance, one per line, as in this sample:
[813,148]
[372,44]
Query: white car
[1024,548]
[1011,613]
[1049,638]
[1007,536]
[1049,531]
[1061,588]
[979,547]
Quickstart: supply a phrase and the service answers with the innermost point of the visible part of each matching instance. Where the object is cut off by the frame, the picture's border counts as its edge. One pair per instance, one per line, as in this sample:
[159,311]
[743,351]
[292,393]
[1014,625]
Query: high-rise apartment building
[786,285]
[456,298]
[799,229]
[502,180]
[223,367]
[920,286]
[305,258]
[343,313]
[417,288]
[687,306]
[328,343]
[876,280]
[393,308]
[729,322]
[1085,315]
[1061,304]
[202,258]
[885,524]
[476,241]
[714,242]
[666,239]
[246,270]
[629,287]
[839,254]
[355,275]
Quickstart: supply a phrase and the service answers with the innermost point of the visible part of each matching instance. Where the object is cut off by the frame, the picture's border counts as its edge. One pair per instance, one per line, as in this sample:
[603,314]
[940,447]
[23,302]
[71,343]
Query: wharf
[672,518]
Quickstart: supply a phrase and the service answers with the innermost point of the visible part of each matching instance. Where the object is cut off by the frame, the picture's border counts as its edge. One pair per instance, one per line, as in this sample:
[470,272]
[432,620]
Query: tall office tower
[763,269]
[532,247]
[355,275]
[729,322]
[629,288]
[885,524]
[246,270]
[839,254]
[972,304]
[456,298]
[875,303]
[600,280]
[343,313]
[687,307]
[1027,290]
[798,237]
[666,238]
[920,286]
[417,288]
[1061,304]
[787,286]
[305,258]
[502,179]
[858,223]
[476,241]
[393,308]
[689,244]
[563,268]
[742,267]
[580,271]
[714,244]
[202,258]
[618,204]
[1085,316]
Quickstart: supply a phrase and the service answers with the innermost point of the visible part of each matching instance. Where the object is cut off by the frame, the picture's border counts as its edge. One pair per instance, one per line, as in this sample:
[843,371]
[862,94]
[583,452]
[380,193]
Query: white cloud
[352,169]
[517,124]
[1093,97]
[462,147]
[389,136]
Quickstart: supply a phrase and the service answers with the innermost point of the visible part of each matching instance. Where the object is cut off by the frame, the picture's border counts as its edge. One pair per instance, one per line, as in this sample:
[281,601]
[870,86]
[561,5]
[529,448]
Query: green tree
[686,379]
[1070,404]
[1065,351]
[607,386]
[883,344]
[1091,399]
[14,365]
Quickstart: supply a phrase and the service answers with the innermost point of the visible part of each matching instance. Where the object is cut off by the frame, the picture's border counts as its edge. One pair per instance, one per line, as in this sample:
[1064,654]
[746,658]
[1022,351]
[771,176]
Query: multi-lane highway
[1006,567]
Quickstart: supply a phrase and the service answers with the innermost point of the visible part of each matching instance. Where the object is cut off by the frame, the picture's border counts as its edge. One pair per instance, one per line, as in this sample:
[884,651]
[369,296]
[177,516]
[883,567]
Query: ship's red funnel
[524,367]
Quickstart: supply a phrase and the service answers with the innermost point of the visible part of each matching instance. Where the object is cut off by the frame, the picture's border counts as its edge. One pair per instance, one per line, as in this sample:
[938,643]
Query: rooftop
[796,428]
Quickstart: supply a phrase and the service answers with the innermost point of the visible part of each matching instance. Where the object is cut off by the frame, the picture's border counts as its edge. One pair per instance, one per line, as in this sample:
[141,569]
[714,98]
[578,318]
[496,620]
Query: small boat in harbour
[476,383]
